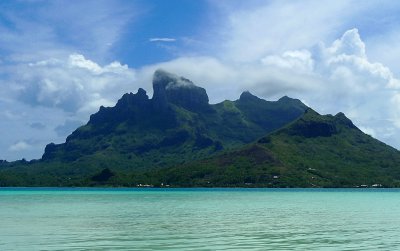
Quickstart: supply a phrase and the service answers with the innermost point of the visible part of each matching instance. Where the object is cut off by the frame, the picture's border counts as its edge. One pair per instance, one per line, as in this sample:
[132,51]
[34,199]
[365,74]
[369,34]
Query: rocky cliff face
[313,125]
[169,88]
[139,99]
[129,108]
[246,96]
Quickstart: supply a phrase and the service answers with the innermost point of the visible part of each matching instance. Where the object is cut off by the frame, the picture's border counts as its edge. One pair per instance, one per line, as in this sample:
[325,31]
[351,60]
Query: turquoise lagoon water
[199,219]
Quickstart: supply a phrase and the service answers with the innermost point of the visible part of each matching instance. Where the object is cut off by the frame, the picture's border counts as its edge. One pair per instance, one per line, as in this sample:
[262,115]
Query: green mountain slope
[313,151]
[175,126]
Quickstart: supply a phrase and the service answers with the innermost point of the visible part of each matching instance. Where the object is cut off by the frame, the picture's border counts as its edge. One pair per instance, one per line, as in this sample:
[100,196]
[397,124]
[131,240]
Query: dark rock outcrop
[341,118]
[312,129]
[139,99]
[247,96]
[129,107]
[169,88]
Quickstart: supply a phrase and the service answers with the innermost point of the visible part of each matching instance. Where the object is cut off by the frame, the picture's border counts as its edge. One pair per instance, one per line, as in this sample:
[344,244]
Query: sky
[61,60]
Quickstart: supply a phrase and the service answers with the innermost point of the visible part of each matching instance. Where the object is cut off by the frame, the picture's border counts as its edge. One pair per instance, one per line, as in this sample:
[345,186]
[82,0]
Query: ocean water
[199,219]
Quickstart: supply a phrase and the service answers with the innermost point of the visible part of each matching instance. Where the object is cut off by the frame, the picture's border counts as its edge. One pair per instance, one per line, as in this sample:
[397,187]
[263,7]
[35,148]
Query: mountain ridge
[178,138]
[177,120]
[335,154]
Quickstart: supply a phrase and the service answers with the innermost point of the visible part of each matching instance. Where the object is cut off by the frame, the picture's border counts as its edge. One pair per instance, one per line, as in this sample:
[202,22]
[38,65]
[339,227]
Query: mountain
[178,139]
[313,151]
[176,125]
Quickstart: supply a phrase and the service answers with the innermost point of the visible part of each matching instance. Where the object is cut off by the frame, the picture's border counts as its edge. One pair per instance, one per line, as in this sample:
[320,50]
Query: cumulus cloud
[73,84]
[299,60]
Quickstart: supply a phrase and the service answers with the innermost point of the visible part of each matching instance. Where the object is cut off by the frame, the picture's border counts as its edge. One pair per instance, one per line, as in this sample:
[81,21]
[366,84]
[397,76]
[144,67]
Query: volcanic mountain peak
[169,88]
[167,80]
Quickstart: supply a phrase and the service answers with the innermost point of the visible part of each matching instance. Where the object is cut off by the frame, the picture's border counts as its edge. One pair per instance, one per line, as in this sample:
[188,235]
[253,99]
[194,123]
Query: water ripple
[199,220]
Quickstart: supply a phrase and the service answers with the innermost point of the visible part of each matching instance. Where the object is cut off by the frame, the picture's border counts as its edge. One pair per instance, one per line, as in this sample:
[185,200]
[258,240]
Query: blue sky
[61,60]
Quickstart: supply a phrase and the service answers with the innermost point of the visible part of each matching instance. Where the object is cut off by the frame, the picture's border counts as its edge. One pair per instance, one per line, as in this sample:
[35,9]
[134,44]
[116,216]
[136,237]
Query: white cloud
[349,44]
[79,61]
[385,48]
[162,39]
[299,61]
[224,80]
[72,84]
[19,146]
[207,72]
[277,26]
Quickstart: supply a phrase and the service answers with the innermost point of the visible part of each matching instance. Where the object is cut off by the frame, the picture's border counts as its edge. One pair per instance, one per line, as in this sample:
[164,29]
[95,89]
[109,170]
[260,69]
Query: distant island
[178,139]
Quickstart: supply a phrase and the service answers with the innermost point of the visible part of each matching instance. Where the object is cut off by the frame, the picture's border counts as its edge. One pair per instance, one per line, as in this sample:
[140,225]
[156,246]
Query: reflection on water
[199,219]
